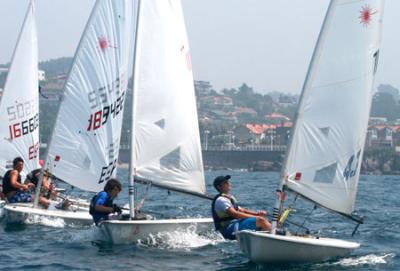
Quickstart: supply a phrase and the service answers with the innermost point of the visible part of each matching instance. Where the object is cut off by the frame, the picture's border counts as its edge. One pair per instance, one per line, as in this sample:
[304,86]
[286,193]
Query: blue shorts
[239,225]
[21,197]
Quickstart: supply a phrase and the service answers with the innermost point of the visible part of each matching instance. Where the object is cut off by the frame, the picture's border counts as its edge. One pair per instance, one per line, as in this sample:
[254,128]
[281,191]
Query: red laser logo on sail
[103,43]
[366,15]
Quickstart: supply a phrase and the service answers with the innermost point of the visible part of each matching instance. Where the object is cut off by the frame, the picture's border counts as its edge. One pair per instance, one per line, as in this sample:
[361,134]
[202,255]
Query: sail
[167,148]
[84,146]
[19,105]
[324,160]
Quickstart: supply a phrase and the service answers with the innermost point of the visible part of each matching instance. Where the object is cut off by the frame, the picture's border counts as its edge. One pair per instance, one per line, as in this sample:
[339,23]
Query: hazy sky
[264,43]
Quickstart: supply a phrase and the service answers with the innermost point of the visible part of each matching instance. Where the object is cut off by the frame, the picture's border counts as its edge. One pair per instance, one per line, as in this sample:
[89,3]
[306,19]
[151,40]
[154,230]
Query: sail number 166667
[25,127]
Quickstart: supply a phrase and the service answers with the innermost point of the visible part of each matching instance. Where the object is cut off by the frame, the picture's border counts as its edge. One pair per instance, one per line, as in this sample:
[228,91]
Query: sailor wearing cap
[229,217]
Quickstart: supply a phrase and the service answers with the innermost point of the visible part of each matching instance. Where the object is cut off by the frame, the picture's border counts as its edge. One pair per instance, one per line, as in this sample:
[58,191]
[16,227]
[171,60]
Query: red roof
[259,129]
[277,116]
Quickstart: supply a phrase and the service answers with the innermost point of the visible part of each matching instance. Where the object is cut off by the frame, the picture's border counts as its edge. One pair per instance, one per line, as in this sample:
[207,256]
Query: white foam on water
[46,221]
[85,235]
[371,259]
[181,239]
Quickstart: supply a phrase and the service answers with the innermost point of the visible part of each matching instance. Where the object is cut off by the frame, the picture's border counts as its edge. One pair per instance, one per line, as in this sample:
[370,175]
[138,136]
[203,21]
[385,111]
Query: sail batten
[166,146]
[324,159]
[85,143]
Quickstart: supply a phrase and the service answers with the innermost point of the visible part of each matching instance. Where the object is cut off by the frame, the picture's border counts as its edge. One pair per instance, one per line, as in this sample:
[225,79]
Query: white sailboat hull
[2,203]
[23,212]
[130,231]
[263,247]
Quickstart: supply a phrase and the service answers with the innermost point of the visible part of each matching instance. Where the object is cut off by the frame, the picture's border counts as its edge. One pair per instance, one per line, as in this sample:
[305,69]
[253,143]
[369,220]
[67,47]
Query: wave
[181,239]
[370,259]
[46,221]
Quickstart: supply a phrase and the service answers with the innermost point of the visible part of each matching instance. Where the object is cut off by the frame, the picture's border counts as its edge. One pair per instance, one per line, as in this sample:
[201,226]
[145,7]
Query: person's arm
[253,213]
[45,183]
[238,213]
[99,205]
[14,182]
[104,209]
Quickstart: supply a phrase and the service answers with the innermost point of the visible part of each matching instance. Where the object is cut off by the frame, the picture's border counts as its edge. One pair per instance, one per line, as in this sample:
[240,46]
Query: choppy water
[56,247]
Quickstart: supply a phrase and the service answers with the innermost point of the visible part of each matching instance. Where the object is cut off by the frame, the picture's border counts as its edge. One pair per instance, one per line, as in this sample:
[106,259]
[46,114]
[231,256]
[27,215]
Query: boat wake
[181,240]
[371,259]
[46,221]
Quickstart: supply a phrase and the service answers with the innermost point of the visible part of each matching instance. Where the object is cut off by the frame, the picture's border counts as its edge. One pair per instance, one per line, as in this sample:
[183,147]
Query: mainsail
[19,105]
[325,155]
[166,142]
[85,143]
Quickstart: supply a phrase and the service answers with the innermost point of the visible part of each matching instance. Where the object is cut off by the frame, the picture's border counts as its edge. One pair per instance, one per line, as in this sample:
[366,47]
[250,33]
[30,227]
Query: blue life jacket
[92,207]
[218,220]
[99,216]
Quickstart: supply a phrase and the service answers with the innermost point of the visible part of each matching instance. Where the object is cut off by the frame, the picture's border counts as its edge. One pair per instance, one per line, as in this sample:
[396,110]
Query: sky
[266,44]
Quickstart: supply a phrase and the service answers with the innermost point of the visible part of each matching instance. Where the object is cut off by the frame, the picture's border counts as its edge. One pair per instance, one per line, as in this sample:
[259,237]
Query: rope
[140,205]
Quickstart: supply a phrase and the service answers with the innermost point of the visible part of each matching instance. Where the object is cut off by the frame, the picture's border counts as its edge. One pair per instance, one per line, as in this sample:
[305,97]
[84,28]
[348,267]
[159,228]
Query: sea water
[50,245]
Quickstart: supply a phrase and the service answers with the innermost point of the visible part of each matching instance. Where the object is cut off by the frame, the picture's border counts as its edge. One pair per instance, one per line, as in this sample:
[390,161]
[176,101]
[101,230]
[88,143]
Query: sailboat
[84,145]
[165,140]
[19,104]
[324,156]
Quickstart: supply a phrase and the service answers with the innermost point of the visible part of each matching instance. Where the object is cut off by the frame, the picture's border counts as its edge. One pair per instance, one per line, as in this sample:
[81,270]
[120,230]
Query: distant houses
[383,136]
[52,88]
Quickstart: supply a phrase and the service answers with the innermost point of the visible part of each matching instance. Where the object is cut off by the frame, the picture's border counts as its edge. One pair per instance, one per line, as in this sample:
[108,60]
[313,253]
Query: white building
[42,75]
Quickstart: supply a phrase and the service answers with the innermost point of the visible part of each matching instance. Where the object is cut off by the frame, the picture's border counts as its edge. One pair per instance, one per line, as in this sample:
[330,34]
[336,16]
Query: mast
[132,162]
[315,56]
[39,185]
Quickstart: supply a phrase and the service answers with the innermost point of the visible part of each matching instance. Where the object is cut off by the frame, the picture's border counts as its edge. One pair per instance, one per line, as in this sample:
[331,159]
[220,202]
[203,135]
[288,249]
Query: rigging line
[141,202]
[355,229]
[306,218]
[41,93]
[342,82]
[292,223]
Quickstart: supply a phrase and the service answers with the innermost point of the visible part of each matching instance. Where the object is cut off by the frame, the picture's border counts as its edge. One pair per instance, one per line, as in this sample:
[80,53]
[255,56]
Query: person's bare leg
[262,223]
[44,202]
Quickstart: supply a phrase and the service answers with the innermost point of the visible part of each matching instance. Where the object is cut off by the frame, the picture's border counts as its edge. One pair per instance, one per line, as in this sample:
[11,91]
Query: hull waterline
[263,247]
[131,231]
[23,213]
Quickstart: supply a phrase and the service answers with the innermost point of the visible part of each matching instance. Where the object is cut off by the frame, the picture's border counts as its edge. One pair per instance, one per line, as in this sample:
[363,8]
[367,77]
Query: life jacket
[218,220]
[92,207]
[32,176]
[7,187]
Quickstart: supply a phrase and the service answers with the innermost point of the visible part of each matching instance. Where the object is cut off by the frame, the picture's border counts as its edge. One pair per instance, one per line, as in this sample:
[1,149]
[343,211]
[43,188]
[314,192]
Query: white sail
[167,148]
[324,160]
[19,105]
[84,146]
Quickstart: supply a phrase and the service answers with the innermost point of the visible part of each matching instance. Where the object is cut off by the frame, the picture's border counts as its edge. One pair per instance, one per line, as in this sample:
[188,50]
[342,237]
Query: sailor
[13,189]
[48,191]
[229,217]
[102,206]
[33,177]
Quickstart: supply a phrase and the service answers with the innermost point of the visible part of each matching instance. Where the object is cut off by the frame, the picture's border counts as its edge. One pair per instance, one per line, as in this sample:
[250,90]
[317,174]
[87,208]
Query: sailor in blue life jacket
[229,217]
[102,206]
